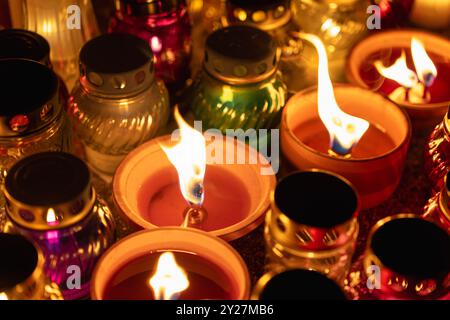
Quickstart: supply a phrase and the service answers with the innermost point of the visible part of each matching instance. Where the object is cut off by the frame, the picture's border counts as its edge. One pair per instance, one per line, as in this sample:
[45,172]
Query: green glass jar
[240,86]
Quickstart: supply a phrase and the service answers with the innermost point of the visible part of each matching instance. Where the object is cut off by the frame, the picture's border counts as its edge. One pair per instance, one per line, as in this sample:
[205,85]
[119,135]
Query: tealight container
[32,117]
[296,284]
[239,87]
[413,266]
[430,106]
[49,199]
[212,268]
[312,224]
[437,209]
[165,26]
[118,103]
[437,154]
[22,274]
[274,17]
[147,193]
[376,162]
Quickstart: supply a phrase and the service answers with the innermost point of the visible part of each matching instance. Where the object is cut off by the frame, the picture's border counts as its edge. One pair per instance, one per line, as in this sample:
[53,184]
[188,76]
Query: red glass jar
[437,209]
[437,154]
[165,25]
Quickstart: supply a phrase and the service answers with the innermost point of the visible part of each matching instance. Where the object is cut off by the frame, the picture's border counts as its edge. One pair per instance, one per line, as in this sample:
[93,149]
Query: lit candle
[409,67]
[433,14]
[171,263]
[351,131]
[215,191]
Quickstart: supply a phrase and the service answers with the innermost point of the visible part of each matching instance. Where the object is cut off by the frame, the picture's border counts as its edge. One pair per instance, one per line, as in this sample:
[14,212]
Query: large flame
[345,130]
[51,217]
[425,68]
[399,72]
[169,278]
[189,158]
[3,296]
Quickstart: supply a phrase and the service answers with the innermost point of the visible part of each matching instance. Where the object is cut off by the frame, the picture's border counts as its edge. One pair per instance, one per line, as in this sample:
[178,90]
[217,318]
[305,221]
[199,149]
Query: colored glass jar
[239,87]
[274,17]
[165,26]
[32,117]
[22,274]
[312,224]
[118,103]
[437,209]
[49,199]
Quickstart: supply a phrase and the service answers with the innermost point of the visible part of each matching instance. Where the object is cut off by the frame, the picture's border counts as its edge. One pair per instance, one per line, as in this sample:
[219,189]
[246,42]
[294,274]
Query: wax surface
[226,199]
[374,142]
[438,91]
[206,280]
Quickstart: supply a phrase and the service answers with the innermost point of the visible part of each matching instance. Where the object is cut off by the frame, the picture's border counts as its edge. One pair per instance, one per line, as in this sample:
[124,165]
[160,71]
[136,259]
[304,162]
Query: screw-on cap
[49,190]
[116,64]
[241,54]
[148,7]
[18,43]
[29,100]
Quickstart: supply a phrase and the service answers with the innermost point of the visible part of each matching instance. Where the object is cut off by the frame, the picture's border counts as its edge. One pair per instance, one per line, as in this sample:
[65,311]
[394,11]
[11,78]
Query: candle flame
[51,217]
[169,278]
[189,158]
[3,296]
[425,68]
[399,72]
[345,130]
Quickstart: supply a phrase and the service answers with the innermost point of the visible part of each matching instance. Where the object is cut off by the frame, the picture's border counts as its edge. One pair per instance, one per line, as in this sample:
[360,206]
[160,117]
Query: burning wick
[169,279]
[345,130]
[415,85]
[189,158]
[51,218]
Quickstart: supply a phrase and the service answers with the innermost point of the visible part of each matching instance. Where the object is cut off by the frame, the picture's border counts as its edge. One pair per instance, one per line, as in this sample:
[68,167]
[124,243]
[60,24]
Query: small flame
[51,217]
[189,158]
[425,68]
[399,72]
[345,130]
[3,296]
[169,278]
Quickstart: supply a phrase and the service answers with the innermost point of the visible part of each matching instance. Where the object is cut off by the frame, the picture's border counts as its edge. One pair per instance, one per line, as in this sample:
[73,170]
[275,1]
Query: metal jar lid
[29,99]
[48,191]
[264,14]
[413,256]
[241,54]
[313,210]
[147,7]
[24,44]
[297,284]
[116,65]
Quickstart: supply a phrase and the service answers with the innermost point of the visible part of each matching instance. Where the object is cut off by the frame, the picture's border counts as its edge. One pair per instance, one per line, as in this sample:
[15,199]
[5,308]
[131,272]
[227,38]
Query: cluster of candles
[187,194]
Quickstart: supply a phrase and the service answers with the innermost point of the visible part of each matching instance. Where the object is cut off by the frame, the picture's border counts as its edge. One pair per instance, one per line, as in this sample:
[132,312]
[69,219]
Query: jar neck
[152,18]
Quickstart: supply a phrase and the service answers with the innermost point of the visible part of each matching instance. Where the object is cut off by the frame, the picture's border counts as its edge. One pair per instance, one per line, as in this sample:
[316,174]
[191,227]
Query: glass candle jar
[274,17]
[118,103]
[239,87]
[438,207]
[407,258]
[32,118]
[312,224]
[22,275]
[437,153]
[339,24]
[49,199]
[165,26]
[297,284]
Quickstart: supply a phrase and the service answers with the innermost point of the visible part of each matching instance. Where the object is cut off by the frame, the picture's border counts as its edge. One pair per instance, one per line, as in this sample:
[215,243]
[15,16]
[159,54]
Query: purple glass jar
[165,25]
[49,199]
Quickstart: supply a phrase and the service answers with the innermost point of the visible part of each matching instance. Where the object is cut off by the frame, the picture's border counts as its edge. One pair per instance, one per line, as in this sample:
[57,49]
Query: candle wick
[407,94]
[194,217]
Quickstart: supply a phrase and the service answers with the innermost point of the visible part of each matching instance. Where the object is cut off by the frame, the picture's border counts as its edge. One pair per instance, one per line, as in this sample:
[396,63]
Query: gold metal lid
[413,256]
[313,210]
[48,191]
[29,100]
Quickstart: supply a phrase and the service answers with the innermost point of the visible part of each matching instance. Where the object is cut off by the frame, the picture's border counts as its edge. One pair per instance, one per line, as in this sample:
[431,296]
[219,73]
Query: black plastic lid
[115,53]
[413,247]
[19,260]
[18,43]
[48,178]
[316,199]
[25,86]
[301,284]
[258,4]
